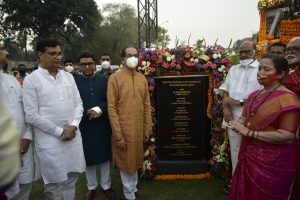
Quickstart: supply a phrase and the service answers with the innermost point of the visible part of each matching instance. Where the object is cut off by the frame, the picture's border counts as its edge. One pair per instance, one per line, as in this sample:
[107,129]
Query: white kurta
[12,95]
[50,106]
[240,83]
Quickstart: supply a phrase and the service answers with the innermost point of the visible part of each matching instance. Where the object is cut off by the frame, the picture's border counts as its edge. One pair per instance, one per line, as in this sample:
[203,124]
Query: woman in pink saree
[268,156]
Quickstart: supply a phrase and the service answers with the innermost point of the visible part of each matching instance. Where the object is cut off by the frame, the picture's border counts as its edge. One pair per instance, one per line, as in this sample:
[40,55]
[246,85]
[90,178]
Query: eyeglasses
[293,49]
[105,59]
[54,54]
[89,64]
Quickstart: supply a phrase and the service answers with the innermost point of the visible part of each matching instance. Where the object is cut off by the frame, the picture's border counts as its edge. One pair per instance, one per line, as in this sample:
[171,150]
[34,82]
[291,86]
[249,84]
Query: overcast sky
[209,19]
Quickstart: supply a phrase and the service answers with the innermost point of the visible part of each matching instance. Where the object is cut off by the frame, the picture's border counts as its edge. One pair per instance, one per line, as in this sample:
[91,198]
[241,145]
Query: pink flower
[189,64]
[187,55]
[166,65]
[211,162]
[178,66]
[151,70]
[209,65]
[151,88]
[153,58]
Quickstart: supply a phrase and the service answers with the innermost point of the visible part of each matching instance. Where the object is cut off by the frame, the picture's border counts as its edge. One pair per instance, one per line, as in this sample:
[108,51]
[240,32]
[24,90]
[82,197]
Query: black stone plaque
[183,126]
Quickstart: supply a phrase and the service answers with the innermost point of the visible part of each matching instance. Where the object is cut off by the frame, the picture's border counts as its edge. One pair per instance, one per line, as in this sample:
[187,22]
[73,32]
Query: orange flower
[210,98]
[178,176]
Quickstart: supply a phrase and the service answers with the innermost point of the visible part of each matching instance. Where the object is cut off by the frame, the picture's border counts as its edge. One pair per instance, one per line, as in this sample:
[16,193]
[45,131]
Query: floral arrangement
[148,171]
[288,30]
[186,60]
[265,4]
[183,177]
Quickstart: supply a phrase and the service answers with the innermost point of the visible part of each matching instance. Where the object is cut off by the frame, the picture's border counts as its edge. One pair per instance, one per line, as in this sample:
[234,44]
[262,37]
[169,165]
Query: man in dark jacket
[94,126]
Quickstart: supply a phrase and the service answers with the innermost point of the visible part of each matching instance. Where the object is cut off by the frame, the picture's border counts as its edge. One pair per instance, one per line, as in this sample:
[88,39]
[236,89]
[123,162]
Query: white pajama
[24,192]
[62,191]
[234,138]
[91,176]
[240,83]
[129,182]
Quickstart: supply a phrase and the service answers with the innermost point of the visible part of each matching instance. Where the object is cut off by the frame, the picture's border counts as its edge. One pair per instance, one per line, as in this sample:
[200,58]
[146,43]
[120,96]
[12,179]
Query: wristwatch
[242,102]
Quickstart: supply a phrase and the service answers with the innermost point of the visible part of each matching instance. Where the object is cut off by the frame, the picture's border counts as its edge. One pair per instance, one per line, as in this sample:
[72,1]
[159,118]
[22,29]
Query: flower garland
[184,60]
[288,28]
[266,4]
[183,177]
[210,97]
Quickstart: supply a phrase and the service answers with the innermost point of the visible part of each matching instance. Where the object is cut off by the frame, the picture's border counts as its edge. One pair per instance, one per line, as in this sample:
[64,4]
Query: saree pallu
[267,171]
[292,81]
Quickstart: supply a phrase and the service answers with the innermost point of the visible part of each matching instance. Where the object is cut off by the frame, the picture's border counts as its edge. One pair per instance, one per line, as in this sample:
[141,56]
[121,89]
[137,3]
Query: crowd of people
[81,118]
[69,116]
[262,114]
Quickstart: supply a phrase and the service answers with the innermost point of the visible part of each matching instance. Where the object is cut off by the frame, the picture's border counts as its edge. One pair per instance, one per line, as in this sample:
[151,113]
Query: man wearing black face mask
[22,73]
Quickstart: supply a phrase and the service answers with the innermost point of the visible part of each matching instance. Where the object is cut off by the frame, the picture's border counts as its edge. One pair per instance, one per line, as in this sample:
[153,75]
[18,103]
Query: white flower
[202,49]
[192,59]
[173,57]
[149,165]
[148,63]
[196,60]
[169,58]
[144,63]
[144,67]
[223,66]
[197,51]
[222,147]
[220,69]
[152,139]
[215,56]
[219,55]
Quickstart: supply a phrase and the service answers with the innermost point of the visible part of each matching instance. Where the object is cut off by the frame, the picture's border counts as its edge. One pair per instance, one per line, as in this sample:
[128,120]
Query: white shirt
[9,145]
[241,81]
[12,96]
[51,105]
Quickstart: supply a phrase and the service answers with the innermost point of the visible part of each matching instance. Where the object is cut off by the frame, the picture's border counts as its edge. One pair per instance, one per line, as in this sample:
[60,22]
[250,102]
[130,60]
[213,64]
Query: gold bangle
[248,133]
[257,134]
[252,135]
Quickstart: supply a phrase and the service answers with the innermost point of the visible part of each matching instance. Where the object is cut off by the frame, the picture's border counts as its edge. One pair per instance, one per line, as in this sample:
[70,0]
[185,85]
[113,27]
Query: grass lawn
[206,189]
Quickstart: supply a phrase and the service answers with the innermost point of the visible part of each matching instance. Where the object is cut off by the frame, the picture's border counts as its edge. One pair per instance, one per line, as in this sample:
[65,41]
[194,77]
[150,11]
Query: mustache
[290,57]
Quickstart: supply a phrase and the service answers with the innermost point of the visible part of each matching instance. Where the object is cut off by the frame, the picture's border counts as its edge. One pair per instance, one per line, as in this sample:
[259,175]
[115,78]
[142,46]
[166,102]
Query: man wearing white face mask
[240,82]
[69,67]
[129,111]
[105,62]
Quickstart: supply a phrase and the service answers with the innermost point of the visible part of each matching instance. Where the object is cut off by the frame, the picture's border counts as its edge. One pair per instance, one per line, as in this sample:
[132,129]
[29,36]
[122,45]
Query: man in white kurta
[9,141]
[53,107]
[12,95]
[240,82]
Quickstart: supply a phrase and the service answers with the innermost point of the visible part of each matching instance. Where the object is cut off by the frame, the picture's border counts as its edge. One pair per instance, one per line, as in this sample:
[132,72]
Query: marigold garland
[288,28]
[182,177]
[210,97]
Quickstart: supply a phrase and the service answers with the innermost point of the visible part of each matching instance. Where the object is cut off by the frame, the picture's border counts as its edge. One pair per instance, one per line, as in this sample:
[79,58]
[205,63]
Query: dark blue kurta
[96,133]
